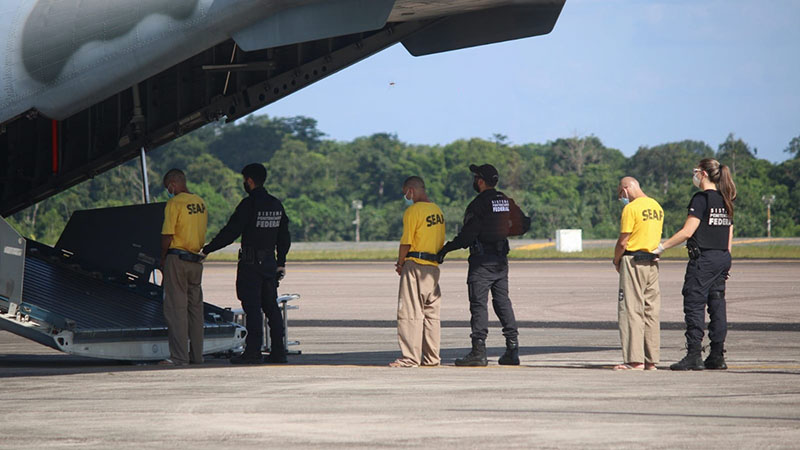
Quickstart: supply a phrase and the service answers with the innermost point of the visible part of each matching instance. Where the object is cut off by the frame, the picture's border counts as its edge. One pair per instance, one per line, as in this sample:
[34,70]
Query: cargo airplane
[87,85]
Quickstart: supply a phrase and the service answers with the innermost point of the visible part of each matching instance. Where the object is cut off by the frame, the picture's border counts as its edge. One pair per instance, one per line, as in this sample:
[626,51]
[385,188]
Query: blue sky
[632,73]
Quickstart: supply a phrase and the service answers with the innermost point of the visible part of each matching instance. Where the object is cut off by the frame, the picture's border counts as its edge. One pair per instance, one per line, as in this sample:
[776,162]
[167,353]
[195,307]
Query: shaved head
[628,182]
[414,183]
[630,186]
[175,176]
[416,187]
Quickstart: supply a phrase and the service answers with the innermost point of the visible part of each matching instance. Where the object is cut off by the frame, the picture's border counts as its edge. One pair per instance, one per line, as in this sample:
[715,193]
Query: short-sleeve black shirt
[715,222]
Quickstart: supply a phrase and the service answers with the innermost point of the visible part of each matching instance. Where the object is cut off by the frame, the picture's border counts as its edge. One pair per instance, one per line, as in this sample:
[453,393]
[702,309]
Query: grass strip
[601,253]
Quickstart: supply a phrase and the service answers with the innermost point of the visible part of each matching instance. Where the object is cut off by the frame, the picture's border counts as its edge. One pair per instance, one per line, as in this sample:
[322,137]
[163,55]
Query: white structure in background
[569,241]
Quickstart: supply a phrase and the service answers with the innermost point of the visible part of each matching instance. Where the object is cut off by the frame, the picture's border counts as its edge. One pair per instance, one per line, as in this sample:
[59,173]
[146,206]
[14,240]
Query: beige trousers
[183,309]
[418,304]
[639,305]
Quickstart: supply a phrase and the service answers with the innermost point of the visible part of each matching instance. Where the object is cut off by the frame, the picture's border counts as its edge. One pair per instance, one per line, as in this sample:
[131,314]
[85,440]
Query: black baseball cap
[487,172]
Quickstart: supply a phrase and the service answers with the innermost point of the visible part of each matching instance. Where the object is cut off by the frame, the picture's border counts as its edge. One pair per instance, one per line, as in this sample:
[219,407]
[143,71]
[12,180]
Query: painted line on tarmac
[758,240]
[536,246]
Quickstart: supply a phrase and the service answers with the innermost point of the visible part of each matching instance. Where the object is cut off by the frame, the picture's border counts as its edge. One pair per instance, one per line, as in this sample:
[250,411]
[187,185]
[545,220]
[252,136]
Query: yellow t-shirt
[186,218]
[643,218]
[423,230]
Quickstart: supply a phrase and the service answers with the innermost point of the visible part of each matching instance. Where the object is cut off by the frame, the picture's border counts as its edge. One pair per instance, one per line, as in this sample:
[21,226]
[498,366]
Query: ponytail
[720,175]
[727,188]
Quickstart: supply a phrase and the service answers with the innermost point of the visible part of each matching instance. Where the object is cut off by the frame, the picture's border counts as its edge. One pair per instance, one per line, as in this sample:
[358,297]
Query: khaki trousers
[639,306]
[183,309]
[418,304]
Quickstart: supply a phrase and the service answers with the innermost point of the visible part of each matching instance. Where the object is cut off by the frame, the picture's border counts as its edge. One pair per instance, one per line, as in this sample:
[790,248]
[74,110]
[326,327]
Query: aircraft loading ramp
[73,303]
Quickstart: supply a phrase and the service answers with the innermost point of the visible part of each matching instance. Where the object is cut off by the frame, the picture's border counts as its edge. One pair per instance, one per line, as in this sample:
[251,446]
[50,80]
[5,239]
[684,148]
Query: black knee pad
[716,295]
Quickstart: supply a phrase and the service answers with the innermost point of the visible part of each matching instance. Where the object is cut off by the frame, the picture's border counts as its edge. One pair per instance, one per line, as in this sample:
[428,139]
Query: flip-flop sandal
[401,363]
[628,367]
[650,367]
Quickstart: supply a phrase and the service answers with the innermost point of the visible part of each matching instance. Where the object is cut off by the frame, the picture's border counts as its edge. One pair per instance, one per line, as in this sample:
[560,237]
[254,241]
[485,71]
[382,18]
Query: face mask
[409,201]
[696,180]
[246,187]
[169,193]
[624,199]
[475,186]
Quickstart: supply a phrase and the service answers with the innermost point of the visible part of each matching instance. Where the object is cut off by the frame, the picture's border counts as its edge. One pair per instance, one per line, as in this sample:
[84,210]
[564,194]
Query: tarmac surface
[340,394]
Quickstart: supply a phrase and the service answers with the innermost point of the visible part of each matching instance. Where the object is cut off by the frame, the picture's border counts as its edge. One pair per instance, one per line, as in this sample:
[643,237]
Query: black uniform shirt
[261,221]
[486,220]
[715,223]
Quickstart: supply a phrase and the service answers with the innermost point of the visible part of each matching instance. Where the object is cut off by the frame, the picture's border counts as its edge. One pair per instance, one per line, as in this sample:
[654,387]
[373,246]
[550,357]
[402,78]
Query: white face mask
[696,180]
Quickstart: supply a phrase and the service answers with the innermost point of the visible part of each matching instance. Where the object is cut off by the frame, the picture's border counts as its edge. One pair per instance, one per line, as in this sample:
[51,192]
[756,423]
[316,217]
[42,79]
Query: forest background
[566,183]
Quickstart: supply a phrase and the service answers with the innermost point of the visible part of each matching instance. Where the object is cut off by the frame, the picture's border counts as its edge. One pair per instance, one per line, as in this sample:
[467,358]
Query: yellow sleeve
[409,228]
[627,221]
[170,218]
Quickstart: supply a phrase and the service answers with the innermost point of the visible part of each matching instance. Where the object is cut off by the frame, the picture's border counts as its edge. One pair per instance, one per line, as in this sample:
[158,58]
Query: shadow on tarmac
[13,366]
[448,355]
[20,365]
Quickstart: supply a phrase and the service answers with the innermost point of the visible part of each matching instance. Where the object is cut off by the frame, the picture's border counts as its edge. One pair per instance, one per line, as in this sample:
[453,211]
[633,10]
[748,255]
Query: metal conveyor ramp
[74,303]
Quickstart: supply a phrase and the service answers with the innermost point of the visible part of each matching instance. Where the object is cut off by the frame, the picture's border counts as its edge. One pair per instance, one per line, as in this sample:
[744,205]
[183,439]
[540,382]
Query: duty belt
[186,255]
[252,255]
[695,252]
[422,255]
[641,255]
[497,248]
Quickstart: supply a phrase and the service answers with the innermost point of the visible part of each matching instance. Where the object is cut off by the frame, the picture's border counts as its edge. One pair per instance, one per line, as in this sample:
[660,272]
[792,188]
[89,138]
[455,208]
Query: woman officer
[709,230]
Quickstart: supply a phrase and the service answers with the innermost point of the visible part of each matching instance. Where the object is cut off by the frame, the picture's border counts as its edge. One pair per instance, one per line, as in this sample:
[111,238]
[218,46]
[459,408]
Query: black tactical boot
[716,358]
[476,357]
[511,356]
[276,358]
[692,361]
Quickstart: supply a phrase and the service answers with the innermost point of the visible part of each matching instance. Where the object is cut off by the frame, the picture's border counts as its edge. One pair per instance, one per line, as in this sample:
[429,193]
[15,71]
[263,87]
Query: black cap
[487,172]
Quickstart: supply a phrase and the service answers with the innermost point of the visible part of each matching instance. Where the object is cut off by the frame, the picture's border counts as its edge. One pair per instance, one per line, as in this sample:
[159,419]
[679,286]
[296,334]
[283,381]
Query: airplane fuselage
[60,56]
[87,84]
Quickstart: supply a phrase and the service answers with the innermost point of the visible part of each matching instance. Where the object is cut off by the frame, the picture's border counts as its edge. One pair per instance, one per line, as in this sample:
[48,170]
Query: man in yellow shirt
[182,236]
[419,299]
[639,292]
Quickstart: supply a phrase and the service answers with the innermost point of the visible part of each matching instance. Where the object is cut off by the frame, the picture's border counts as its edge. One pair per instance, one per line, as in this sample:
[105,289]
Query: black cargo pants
[704,285]
[482,278]
[257,289]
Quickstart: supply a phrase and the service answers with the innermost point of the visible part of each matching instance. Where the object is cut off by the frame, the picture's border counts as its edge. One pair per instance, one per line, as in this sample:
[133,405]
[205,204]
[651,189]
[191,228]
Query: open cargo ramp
[90,295]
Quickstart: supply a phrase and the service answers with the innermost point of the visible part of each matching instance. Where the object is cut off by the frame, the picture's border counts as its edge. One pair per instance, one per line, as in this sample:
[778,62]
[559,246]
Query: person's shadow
[448,355]
[26,365]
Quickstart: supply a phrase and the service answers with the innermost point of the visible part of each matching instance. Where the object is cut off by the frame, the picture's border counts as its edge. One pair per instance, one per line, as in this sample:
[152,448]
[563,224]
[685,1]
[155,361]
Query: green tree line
[566,183]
